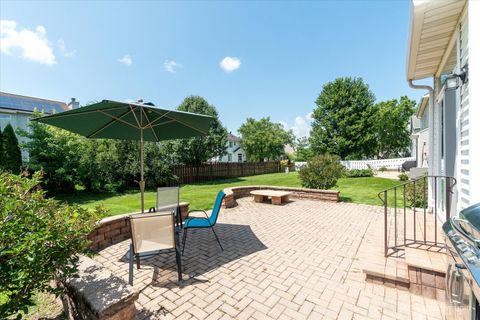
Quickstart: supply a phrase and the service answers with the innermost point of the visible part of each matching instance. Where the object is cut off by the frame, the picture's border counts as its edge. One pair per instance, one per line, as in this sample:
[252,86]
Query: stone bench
[99,295]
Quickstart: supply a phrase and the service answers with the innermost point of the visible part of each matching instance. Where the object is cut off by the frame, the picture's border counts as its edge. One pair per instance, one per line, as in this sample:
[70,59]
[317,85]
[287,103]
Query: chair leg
[130,266]
[177,255]
[137,257]
[216,237]
[184,239]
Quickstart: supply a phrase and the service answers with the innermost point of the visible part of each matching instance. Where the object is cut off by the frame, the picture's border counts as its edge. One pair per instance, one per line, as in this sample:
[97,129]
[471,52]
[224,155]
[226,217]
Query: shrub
[40,242]
[403,177]
[382,169]
[10,151]
[284,163]
[415,199]
[358,173]
[322,172]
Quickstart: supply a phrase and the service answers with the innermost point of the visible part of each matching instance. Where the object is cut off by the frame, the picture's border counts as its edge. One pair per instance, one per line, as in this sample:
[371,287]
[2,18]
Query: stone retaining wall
[117,228]
[231,194]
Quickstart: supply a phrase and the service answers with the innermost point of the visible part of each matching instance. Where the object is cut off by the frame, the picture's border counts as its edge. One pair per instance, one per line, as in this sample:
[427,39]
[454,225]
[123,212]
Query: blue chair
[201,222]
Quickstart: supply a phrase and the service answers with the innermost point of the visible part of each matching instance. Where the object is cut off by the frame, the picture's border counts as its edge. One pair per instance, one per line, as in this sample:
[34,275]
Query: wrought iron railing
[413,212]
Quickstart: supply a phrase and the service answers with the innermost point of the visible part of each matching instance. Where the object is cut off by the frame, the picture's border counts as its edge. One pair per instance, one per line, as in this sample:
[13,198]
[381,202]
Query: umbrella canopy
[125,121]
[130,121]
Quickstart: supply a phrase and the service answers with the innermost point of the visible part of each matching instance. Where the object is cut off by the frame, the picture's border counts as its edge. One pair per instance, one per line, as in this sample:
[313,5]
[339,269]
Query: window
[240,156]
[229,157]
[230,144]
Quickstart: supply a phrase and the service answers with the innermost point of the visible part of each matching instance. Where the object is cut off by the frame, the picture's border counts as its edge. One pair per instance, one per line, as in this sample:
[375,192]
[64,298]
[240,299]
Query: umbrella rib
[185,124]
[148,120]
[160,124]
[108,124]
[161,116]
[135,116]
[118,119]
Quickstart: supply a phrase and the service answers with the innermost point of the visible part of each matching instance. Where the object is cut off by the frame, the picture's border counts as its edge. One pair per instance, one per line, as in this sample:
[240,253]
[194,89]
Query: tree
[1,150]
[11,154]
[264,139]
[304,151]
[391,121]
[196,150]
[57,153]
[342,120]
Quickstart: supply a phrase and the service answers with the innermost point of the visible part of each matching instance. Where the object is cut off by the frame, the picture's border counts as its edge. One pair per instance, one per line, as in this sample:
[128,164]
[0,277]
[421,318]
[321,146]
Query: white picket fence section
[376,164]
[363,164]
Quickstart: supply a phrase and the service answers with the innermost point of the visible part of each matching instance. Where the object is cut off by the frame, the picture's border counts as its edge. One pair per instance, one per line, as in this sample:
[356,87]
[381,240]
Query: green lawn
[202,195]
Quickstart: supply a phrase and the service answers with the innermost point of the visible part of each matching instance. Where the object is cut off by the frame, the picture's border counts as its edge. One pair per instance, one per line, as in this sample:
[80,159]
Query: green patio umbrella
[130,121]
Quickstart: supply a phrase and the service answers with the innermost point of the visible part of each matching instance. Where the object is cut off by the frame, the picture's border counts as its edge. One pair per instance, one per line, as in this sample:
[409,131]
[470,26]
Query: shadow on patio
[202,255]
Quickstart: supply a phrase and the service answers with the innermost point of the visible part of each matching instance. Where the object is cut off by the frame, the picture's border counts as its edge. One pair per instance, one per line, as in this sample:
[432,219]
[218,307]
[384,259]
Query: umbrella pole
[142,182]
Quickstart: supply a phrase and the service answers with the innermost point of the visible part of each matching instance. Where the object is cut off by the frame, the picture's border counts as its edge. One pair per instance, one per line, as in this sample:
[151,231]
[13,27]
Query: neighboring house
[444,47]
[17,110]
[234,152]
[419,133]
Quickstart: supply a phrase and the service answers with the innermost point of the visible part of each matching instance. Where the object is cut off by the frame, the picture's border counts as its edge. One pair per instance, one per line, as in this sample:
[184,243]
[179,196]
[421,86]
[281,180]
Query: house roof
[232,137]
[30,104]
[432,29]
[422,105]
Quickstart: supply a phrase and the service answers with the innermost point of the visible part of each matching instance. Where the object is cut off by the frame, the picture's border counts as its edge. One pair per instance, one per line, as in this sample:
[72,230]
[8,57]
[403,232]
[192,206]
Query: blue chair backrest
[216,208]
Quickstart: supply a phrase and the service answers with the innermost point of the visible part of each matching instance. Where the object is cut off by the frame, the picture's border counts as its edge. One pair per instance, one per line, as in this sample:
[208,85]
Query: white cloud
[126,60]
[301,125]
[32,44]
[172,66]
[63,49]
[230,64]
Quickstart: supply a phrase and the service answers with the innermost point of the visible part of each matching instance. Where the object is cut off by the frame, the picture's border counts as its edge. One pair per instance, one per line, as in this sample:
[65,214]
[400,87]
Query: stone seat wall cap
[102,292]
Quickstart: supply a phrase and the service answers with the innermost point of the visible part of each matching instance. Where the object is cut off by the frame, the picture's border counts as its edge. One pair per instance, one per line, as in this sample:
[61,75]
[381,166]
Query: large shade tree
[196,150]
[264,139]
[10,151]
[391,121]
[342,120]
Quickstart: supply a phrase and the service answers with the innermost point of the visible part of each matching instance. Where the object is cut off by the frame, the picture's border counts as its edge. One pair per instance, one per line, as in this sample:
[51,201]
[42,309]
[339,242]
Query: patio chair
[168,199]
[204,222]
[153,233]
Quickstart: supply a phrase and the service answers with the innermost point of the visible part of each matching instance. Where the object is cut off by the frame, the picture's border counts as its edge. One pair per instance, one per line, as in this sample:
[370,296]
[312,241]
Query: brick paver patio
[295,261]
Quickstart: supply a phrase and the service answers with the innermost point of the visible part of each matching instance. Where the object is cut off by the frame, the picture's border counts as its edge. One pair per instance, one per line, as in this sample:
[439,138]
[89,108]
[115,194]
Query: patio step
[390,272]
[420,271]
[426,259]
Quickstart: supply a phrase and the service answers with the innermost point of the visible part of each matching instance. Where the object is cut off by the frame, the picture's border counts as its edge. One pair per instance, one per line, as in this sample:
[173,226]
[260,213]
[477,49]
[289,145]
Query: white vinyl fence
[363,164]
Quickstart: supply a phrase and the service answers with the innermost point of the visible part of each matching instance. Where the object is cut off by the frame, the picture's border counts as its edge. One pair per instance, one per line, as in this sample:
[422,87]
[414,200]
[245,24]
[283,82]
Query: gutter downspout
[431,129]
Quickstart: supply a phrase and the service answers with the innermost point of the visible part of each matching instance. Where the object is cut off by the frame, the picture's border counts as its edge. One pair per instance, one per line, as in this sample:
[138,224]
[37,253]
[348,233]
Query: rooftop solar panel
[28,104]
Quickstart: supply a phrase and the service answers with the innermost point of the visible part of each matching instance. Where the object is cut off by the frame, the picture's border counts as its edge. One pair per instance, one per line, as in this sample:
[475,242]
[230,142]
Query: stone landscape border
[233,193]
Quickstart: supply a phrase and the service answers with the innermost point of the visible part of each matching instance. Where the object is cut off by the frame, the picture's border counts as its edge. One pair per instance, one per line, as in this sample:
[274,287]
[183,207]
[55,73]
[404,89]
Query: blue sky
[277,54]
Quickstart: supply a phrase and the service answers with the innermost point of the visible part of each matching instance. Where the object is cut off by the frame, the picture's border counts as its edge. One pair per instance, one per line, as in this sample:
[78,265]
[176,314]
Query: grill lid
[469,221]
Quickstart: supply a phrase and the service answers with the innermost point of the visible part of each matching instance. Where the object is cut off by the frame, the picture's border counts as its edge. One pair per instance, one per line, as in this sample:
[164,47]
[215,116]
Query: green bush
[403,177]
[322,172]
[358,173]
[382,169]
[416,199]
[40,242]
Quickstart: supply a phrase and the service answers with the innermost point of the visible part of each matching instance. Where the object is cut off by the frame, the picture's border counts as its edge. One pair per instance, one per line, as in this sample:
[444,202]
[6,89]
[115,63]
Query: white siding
[464,176]
[472,98]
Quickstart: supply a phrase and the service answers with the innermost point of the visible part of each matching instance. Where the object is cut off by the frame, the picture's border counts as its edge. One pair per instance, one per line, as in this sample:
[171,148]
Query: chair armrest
[188,214]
